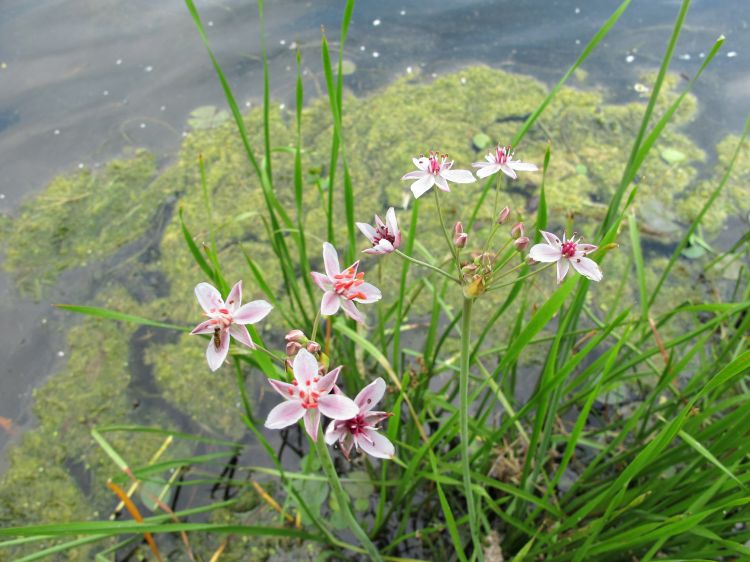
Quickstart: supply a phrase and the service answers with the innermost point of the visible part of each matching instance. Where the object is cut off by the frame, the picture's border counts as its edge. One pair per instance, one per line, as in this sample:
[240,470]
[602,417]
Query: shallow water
[81,81]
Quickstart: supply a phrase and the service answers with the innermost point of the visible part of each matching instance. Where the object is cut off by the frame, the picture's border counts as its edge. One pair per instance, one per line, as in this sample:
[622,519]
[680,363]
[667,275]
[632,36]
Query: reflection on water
[81,81]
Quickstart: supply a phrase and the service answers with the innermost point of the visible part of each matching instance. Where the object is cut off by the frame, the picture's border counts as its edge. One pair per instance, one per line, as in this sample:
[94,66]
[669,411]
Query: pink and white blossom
[566,253]
[343,288]
[501,160]
[435,170]
[225,319]
[308,396]
[362,429]
[385,237]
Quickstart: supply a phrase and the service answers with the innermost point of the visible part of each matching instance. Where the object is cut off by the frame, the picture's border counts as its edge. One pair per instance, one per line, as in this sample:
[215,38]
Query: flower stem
[427,265]
[463,396]
[315,326]
[517,279]
[451,246]
[343,499]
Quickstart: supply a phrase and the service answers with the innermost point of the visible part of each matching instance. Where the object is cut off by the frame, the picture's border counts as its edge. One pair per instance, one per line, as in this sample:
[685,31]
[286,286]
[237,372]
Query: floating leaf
[150,491]
[672,155]
[359,486]
[348,67]
[481,141]
[207,117]
[694,252]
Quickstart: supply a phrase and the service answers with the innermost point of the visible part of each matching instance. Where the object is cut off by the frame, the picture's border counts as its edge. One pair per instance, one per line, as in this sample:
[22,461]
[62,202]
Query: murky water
[80,81]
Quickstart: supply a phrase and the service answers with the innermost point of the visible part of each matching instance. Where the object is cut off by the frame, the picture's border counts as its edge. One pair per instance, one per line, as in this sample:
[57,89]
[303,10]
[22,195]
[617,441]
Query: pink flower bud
[292,348]
[460,240]
[296,336]
[458,228]
[313,347]
[521,243]
[517,231]
[503,216]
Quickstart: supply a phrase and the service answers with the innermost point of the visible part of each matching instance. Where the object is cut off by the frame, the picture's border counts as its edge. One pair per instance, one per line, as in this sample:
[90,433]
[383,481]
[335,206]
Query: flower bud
[296,336]
[517,231]
[503,216]
[458,228]
[313,347]
[460,240]
[475,288]
[521,243]
[292,348]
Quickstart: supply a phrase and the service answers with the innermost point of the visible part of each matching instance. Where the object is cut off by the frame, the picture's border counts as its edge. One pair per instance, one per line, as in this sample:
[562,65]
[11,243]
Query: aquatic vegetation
[547,414]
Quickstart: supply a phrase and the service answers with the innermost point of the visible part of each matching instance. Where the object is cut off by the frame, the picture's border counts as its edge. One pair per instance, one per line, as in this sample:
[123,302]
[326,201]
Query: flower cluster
[313,392]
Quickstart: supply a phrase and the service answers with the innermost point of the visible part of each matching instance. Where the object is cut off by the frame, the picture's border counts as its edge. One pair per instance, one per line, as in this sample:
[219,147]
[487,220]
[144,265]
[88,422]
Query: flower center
[220,317]
[309,395]
[434,167]
[347,280]
[569,249]
[356,425]
[382,233]
[502,154]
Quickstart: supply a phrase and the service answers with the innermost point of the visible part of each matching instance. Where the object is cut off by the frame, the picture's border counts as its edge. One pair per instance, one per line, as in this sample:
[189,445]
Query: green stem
[517,279]
[343,499]
[451,245]
[427,265]
[315,326]
[463,396]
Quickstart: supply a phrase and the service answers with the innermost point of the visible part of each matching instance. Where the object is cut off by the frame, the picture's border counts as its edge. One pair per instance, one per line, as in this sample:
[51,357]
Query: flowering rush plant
[315,394]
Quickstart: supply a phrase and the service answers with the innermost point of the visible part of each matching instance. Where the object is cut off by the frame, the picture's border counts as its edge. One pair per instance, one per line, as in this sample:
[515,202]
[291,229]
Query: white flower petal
[285,414]
[252,312]
[370,395]
[337,407]
[331,260]
[371,293]
[420,187]
[367,230]
[508,171]
[305,367]
[234,300]
[487,170]
[312,423]
[458,176]
[322,281]
[208,297]
[545,253]
[240,333]
[376,445]
[562,270]
[330,304]
[214,355]
[352,311]
[523,166]
[588,268]
[551,239]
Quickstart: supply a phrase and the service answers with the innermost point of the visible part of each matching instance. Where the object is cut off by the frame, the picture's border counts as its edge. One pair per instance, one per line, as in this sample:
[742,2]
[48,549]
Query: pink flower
[225,319]
[502,161]
[384,236]
[566,253]
[343,288]
[309,396]
[434,171]
[361,430]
